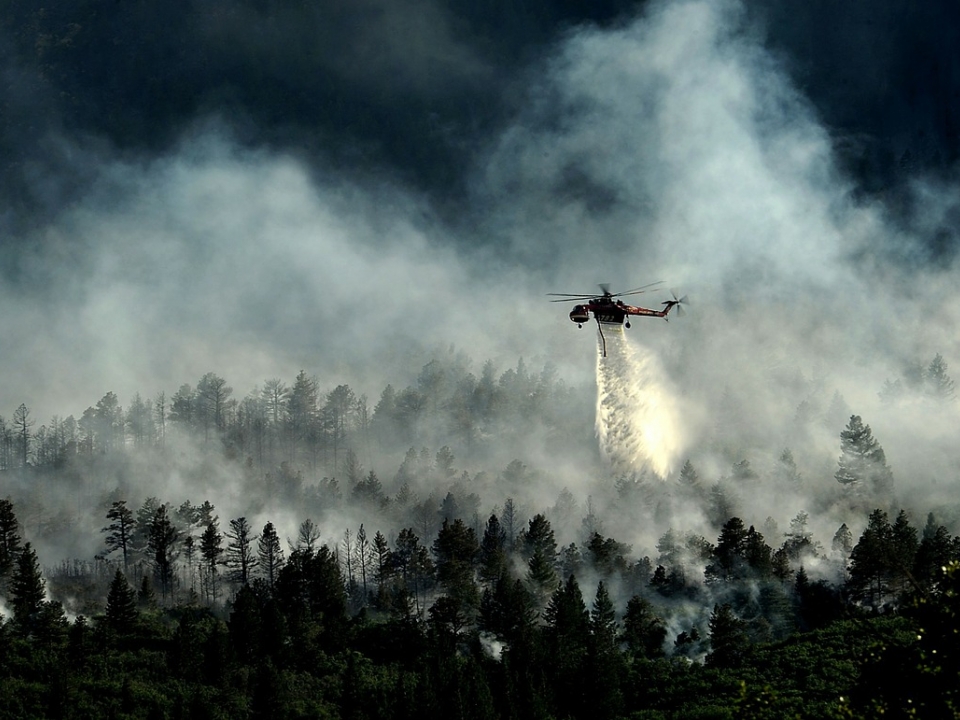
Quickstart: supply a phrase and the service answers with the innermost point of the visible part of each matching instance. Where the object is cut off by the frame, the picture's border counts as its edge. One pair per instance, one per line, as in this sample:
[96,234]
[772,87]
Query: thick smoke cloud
[673,147]
[213,259]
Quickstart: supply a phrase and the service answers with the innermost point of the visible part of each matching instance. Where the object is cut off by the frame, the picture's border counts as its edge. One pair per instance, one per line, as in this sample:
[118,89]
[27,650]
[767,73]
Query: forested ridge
[441,591]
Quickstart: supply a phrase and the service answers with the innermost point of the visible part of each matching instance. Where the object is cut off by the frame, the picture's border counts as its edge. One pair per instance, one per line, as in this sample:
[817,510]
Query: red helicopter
[609,309]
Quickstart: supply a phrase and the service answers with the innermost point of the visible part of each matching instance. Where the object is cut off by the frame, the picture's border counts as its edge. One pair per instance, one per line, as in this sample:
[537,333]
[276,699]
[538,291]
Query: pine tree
[364,558]
[211,550]
[269,553]
[120,530]
[643,632]
[510,520]
[10,544]
[842,541]
[728,638]
[27,592]
[786,470]
[870,570]
[939,385]
[862,462]
[493,555]
[538,546]
[603,622]
[140,535]
[935,551]
[411,562]
[757,554]
[381,568]
[567,617]
[903,551]
[121,612]
[689,477]
[146,597]
[240,559]
[307,535]
[729,561]
[162,544]
[605,664]
[568,641]
[22,424]
[456,551]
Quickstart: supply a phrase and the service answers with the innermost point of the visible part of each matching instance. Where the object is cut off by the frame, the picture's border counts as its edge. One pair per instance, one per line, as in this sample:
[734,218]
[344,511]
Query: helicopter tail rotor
[677,302]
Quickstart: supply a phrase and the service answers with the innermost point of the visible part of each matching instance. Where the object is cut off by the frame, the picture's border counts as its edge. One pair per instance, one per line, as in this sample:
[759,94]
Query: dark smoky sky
[258,187]
[416,91]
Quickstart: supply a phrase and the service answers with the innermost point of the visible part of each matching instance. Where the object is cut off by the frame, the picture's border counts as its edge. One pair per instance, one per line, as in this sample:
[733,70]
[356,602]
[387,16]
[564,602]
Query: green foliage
[121,611]
[10,543]
[27,592]
[298,639]
[643,632]
[862,463]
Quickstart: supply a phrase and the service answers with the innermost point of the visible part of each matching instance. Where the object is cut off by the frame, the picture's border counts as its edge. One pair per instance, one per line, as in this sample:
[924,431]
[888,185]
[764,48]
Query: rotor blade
[625,294]
[639,289]
[573,295]
[571,299]
[605,287]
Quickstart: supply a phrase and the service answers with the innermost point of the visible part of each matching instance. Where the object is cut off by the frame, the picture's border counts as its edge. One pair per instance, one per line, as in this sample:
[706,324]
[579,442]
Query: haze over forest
[292,260]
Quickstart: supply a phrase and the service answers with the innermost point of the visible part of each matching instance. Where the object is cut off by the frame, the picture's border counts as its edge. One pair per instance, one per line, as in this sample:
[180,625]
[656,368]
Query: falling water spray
[638,419]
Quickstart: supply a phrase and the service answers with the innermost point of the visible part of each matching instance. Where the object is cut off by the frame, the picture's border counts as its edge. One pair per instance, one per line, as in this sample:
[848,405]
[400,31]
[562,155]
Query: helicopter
[609,309]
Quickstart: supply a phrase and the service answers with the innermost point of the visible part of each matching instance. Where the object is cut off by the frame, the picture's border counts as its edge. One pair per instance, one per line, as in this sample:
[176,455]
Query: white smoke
[638,411]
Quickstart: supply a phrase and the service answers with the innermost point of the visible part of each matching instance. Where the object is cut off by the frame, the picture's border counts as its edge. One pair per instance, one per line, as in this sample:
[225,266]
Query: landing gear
[627,324]
[580,325]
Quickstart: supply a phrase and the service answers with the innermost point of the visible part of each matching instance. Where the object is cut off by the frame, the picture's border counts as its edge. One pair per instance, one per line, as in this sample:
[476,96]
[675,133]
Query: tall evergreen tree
[121,611]
[603,622]
[10,545]
[935,551]
[364,558]
[240,558]
[842,542]
[903,551]
[493,554]
[307,535]
[939,385]
[689,478]
[302,413]
[269,554]
[21,425]
[643,632]
[211,550]
[27,592]
[120,530]
[757,554]
[455,551]
[538,546]
[566,614]
[568,641]
[862,462]
[162,544]
[728,638]
[413,566]
[870,568]
[140,537]
[729,556]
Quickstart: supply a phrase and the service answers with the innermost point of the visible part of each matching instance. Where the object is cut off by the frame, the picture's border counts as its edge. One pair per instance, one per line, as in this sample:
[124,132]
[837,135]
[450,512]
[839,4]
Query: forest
[259,186]
[244,563]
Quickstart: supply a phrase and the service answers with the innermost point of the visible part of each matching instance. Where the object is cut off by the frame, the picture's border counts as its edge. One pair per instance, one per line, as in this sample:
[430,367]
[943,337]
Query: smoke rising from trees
[673,145]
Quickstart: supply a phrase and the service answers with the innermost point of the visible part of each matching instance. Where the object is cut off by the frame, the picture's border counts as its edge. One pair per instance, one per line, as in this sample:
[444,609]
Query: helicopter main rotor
[605,288]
